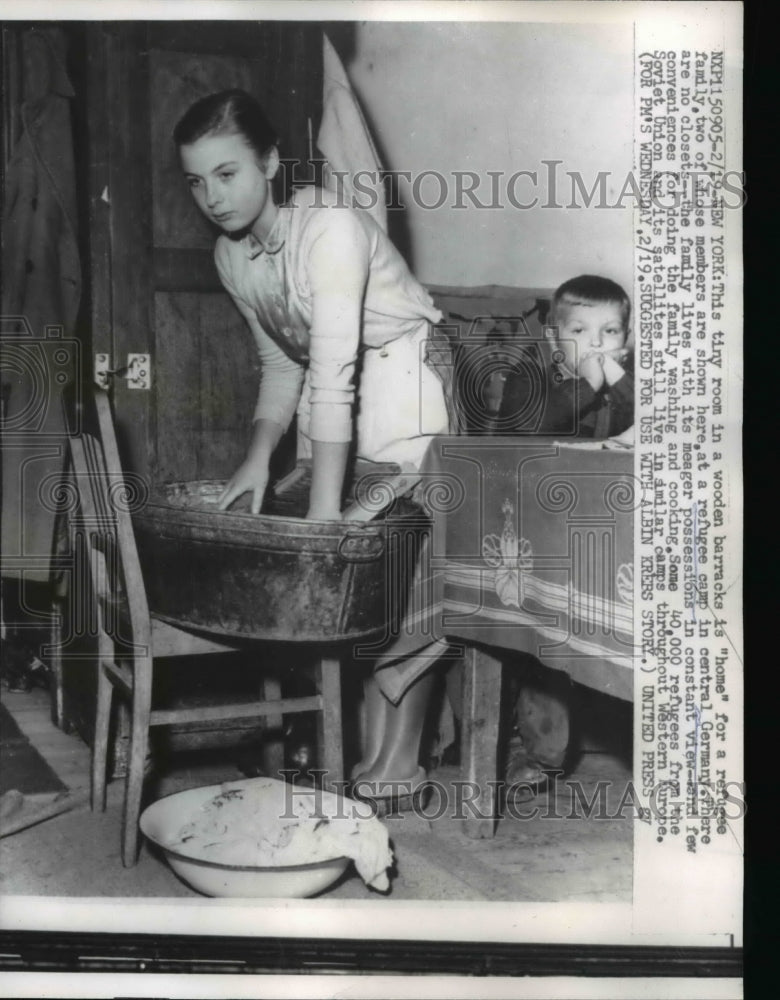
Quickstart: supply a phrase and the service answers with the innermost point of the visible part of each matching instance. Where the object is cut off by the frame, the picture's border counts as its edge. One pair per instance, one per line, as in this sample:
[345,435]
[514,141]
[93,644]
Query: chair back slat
[90,530]
[105,520]
[119,494]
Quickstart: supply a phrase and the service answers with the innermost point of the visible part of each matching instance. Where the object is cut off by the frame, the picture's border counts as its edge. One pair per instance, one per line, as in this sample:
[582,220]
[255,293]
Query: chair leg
[329,731]
[139,742]
[105,692]
[481,717]
[273,750]
[55,664]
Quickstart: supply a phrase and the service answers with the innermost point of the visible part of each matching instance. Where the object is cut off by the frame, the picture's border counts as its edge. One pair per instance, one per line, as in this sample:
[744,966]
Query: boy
[588,392]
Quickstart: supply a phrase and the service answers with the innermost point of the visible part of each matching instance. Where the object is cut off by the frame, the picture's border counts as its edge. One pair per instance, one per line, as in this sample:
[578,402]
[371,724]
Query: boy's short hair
[591,289]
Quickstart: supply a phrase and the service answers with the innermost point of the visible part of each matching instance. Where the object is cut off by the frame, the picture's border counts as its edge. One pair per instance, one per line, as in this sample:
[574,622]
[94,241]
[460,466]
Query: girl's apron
[400,403]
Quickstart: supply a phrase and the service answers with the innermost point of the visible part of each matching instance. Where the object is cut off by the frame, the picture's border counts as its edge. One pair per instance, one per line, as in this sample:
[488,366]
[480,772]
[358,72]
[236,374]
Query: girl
[324,293]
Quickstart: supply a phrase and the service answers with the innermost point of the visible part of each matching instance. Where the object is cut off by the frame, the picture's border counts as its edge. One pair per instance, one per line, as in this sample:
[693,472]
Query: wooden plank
[280,63]
[130,195]
[179,269]
[481,726]
[229,375]
[177,80]
[67,755]
[273,758]
[229,39]
[177,368]
[12,88]
[330,734]
[256,709]
[289,84]
[98,125]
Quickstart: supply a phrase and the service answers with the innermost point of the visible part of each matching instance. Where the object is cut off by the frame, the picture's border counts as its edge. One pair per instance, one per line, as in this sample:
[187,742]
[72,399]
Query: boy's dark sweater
[571,407]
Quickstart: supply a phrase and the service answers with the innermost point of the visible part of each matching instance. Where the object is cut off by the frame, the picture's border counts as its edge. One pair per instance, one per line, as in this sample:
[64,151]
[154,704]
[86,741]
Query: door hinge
[137,372]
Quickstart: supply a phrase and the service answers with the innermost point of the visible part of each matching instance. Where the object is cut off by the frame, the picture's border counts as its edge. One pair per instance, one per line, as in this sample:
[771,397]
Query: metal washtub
[273,576]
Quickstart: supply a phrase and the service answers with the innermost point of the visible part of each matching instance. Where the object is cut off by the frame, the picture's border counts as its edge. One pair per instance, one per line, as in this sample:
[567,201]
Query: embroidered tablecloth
[531,550]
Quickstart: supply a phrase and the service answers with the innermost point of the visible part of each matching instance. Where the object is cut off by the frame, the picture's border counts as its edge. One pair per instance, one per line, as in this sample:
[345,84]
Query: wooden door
[155,289]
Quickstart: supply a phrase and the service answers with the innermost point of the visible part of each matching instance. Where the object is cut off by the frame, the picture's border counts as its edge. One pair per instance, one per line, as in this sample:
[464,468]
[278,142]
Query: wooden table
[531,551]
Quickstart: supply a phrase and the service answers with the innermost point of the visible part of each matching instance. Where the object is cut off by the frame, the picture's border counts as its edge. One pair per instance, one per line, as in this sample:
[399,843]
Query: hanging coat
[41,288]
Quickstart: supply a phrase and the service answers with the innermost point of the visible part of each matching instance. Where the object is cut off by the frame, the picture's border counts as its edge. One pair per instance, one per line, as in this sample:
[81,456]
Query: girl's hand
[252,476]
[253,472]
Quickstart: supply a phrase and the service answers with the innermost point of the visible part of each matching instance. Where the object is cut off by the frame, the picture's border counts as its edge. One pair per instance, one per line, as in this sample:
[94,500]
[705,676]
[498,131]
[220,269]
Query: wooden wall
[207,371]
[156,289]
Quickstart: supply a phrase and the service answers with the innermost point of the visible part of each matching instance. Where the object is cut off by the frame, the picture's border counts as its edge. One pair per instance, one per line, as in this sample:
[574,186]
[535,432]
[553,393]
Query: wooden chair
[487,328]
[131,641]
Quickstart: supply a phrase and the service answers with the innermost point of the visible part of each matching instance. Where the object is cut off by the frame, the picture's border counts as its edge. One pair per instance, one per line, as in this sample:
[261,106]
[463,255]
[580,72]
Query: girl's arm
[280,389]
[337,268]
[252,474]
[329,464]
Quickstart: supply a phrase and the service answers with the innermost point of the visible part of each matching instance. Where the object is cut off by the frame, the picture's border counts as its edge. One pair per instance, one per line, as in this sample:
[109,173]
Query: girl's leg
[398,758]
[375,720]
[303,420]
[396,371]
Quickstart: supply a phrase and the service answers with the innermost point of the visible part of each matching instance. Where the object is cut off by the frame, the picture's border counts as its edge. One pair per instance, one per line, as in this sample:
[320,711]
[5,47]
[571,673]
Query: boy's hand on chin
[613,371]
[591,368]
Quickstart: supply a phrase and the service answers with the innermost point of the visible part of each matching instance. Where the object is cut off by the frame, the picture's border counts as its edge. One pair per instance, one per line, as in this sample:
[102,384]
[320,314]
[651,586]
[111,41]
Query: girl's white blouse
[271,284]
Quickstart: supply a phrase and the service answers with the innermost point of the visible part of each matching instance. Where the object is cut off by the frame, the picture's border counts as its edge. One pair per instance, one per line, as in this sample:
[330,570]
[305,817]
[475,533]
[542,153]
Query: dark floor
[557,855]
